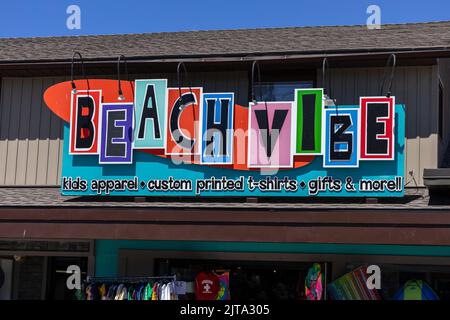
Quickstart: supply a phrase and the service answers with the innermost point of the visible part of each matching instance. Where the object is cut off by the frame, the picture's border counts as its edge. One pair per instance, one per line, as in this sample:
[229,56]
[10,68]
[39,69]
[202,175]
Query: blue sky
[26,18]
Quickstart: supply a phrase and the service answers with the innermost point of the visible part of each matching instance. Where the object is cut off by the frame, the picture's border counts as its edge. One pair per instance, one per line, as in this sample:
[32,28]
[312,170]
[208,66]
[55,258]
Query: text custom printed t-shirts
[206,286]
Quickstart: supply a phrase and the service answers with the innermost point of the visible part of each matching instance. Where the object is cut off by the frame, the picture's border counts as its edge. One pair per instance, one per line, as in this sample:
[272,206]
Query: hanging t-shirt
[131,290]
[180,287]
[313,283]
[121,293]
[162,294]
[148,291]
[155,292]
[173,291]
[92,292]
[224,286]
[161,291]
[111,292]
[206,286]
[140,292]
[167,292]
[102,291]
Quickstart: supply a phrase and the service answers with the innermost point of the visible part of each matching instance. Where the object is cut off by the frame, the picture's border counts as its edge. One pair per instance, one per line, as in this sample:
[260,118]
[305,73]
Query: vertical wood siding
[417,88]
[31,137]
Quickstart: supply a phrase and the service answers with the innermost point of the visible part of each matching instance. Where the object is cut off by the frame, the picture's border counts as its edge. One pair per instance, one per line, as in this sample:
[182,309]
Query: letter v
[270,137]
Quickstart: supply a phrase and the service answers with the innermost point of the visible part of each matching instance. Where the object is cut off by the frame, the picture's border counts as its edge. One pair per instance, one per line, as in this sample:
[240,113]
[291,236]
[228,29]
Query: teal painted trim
[107,250]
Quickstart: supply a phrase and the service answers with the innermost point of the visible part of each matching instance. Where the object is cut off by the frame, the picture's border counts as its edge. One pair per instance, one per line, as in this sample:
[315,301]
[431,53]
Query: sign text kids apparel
[206,286]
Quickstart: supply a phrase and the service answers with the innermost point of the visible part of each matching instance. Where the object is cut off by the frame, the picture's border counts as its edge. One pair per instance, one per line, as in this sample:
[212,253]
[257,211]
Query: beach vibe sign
[184,141]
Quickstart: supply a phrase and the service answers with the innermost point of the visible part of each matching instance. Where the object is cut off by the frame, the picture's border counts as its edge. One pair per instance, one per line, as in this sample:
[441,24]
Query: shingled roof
[296,40]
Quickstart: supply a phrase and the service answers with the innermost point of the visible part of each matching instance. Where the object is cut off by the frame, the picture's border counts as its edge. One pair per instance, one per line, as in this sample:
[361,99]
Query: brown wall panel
[289,234]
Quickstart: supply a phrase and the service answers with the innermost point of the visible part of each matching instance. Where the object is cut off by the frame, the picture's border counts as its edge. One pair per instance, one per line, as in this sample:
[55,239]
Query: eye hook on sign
[72,82]
[255,67]
[325,65]
[180,78]
[119,59]
[327,86]
[392,59]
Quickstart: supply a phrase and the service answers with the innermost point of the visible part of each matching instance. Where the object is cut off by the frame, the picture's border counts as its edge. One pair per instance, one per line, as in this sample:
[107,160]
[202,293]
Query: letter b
[84,122]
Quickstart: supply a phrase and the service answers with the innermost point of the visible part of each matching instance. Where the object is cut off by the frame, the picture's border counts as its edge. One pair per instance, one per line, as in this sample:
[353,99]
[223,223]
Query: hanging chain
[119,59]
[72,82]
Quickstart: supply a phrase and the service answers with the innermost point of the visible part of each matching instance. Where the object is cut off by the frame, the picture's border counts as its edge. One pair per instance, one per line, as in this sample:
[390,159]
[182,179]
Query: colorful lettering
[150,113]
[309,109]
[341,137]
[377,128]
[84,122]
[204,125]
[117,133]
[182,119]
[217,128]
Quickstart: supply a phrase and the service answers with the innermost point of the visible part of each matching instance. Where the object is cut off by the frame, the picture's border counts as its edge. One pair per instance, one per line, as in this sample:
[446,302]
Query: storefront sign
[184,141]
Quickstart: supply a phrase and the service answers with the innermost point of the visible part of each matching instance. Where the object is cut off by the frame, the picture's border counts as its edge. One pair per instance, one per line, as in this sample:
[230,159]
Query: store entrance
[38,277]
[248,280]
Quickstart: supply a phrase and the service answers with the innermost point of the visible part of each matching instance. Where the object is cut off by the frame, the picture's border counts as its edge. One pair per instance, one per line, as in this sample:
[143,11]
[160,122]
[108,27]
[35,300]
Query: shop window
[248,280]
[279,91]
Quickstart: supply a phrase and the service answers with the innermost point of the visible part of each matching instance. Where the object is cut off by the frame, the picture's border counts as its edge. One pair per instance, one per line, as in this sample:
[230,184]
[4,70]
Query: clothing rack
[128,279]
